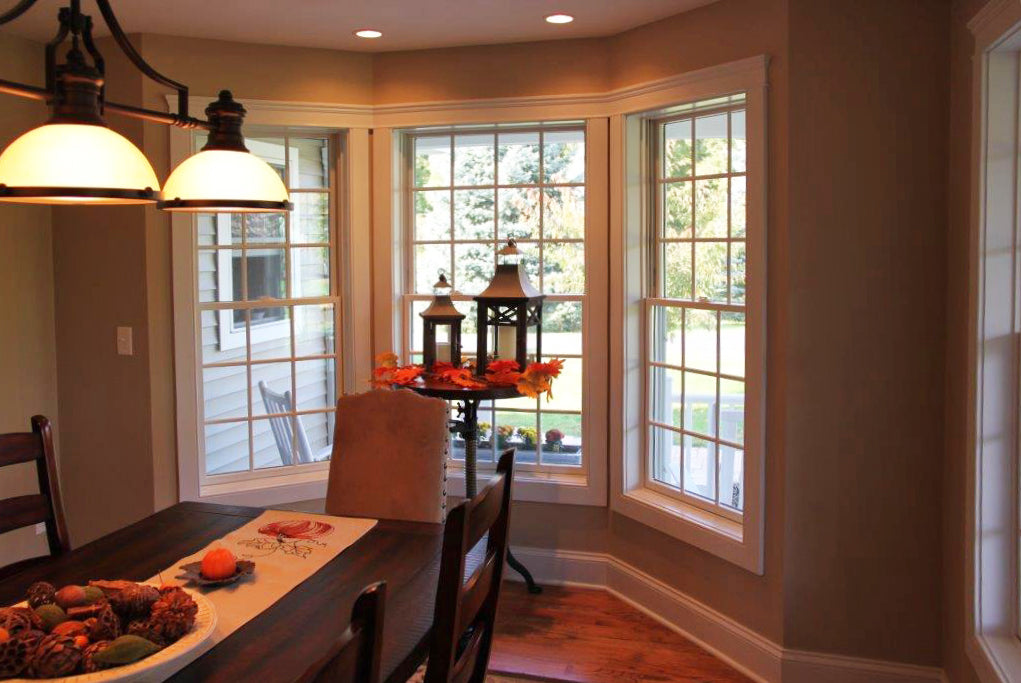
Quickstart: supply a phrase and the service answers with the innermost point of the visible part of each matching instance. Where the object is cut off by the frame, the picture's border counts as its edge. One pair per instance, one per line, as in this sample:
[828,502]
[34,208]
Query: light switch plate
[125,343]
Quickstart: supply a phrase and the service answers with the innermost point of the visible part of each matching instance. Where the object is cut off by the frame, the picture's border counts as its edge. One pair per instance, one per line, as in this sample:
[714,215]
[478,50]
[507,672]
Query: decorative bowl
[193,574]
[162,664]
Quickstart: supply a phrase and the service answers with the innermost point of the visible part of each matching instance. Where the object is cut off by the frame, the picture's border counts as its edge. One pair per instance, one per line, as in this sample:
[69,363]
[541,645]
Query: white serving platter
[161,665]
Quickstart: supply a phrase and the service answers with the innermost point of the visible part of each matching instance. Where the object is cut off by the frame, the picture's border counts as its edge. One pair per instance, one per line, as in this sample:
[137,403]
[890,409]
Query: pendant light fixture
[224,175]
[75,158]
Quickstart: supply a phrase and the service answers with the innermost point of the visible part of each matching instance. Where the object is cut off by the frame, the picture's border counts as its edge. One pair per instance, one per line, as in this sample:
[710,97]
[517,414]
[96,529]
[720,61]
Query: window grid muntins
[696,311]
[293,350]
[531,188]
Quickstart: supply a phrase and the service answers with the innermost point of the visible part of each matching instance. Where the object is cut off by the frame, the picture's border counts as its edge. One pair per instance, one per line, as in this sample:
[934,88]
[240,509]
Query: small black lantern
[442,317]
[508,307]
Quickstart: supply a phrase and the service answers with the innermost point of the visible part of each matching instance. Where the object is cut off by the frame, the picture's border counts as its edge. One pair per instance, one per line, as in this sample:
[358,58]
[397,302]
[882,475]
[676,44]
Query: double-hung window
[692,332]
[696,311]
[467,193]
[267,307]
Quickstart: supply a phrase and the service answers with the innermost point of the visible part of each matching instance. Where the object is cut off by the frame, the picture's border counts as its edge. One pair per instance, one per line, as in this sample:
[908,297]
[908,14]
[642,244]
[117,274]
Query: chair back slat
[46,506]
[484,510]
[18,448]
[477,589]
[468,609]
[466,665]
[23,511]
[355,657]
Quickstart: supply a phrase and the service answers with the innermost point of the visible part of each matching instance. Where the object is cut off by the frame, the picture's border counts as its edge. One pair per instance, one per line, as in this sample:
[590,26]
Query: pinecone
[176,609]
[104,626]
[146,628]
[55,656]
[18,619]
[134,601]
[41,593]
[16,651]
[88,665]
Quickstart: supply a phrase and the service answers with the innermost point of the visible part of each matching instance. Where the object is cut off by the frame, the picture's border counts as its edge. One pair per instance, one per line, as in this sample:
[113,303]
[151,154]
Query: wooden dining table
[279,643]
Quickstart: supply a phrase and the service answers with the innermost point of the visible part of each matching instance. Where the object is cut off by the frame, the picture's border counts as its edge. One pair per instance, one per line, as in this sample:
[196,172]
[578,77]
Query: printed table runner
[287,548]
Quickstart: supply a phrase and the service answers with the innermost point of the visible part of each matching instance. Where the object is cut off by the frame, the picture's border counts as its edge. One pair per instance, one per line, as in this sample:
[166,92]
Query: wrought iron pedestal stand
[467,427]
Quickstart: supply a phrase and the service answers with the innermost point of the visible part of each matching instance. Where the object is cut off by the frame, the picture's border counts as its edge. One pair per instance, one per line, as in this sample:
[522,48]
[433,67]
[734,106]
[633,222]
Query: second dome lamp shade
[224,176]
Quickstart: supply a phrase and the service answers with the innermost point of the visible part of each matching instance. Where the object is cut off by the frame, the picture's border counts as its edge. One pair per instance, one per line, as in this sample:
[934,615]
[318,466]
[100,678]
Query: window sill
[715,534]
[537,487]
[273,489]
[996,658]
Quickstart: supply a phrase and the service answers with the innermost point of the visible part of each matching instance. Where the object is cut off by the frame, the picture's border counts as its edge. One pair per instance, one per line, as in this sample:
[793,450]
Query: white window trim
[354,337]
[739,541]
[993,574]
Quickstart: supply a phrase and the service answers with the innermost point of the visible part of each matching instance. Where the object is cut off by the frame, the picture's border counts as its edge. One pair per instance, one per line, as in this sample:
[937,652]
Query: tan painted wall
[28,363]
[959,270]
[867,259]
[489,71]
[263,72]
[100,275]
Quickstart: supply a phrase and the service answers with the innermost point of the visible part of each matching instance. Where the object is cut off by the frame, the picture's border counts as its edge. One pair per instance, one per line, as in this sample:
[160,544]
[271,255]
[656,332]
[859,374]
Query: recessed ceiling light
[369,33]
[560,18]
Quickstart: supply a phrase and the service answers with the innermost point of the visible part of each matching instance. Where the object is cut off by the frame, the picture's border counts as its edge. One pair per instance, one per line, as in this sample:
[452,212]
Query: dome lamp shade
[75,163]
[224,176]
[74,158]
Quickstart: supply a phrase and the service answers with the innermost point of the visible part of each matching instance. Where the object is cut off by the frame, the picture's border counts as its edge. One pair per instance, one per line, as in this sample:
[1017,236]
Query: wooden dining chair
[354,658]
[389,457]
[465,610]
[45,506]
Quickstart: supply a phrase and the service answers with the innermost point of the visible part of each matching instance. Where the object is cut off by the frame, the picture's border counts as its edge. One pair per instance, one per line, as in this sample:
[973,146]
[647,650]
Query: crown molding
[993,15]
[743,73]
[751,66]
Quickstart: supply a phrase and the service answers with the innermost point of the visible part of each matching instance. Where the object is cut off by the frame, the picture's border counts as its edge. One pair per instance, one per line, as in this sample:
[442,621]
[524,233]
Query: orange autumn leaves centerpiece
[537,378]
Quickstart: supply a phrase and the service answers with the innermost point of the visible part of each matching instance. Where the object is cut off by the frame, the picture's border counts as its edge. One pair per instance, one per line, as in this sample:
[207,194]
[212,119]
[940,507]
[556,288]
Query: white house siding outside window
[268,311]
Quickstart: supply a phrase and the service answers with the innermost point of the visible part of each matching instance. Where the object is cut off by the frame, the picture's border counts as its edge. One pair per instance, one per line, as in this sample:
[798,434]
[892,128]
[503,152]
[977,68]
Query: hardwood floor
[590,636]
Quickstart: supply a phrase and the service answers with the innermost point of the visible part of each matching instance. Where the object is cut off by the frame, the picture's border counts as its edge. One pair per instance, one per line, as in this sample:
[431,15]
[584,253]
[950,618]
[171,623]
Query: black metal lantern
[441,316]
[508,307]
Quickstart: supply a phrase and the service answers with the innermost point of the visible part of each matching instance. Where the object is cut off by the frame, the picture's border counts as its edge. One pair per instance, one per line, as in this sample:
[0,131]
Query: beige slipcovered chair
[389,457]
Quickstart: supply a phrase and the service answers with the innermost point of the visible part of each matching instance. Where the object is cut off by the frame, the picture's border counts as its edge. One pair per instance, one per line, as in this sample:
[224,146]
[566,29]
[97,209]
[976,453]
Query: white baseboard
[751,653]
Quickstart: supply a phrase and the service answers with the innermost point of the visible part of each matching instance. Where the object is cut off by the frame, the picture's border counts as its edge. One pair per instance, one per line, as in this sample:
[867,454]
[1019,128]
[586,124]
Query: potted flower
[484,428]
[554,440]
[529,436]
[503,434]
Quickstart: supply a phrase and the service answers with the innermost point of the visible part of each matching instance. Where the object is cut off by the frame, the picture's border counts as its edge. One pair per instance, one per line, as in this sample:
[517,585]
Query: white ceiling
[406,24]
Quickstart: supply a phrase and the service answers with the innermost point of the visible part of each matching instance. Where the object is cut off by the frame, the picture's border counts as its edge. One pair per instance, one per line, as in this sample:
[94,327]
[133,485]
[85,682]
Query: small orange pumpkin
[219,563]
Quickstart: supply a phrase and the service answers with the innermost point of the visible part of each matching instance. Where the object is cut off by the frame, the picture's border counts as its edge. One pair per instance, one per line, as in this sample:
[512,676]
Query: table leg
[469,431]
